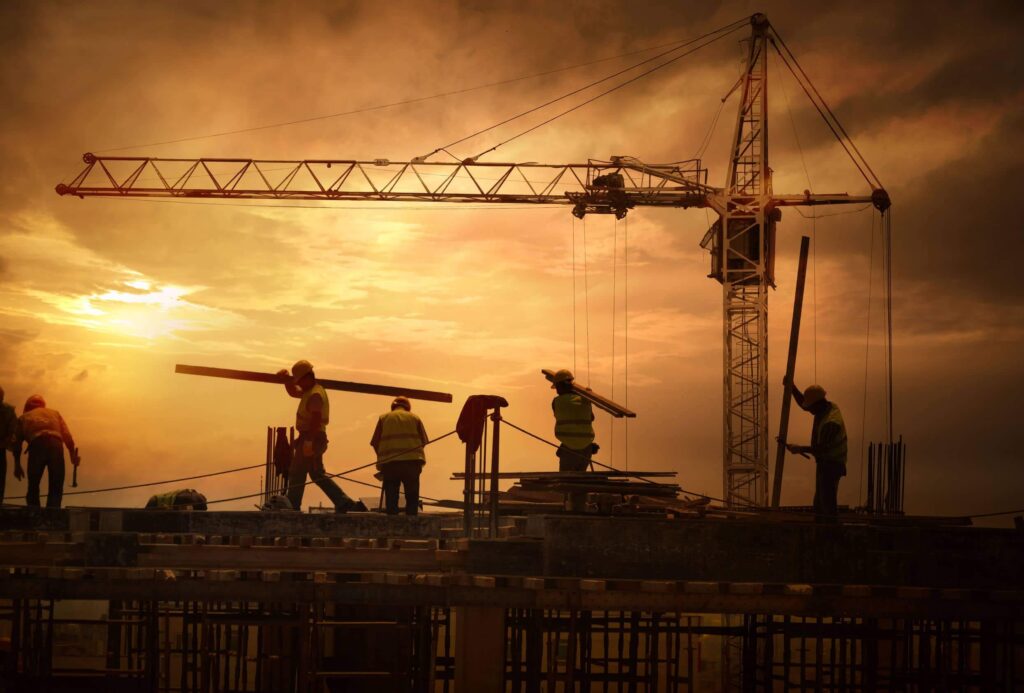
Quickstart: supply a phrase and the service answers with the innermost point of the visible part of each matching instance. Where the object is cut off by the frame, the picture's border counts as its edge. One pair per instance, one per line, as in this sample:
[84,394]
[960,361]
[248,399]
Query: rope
[604,93]
[822,107]
[403,102]
[599,464]
[152,483]
[341,475]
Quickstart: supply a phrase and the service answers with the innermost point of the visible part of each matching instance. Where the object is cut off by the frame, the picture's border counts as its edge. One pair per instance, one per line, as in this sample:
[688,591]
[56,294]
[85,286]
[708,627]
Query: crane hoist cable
[867,353]
[572,220]
[626,330]
[586,295]
[615,296]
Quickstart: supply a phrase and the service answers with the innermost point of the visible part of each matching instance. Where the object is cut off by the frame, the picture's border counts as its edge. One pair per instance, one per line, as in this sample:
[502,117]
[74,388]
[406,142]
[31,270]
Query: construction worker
[45,431]
[398,440]
[574,425]
[311,420]
[8,430]
[828,446]
[574,429]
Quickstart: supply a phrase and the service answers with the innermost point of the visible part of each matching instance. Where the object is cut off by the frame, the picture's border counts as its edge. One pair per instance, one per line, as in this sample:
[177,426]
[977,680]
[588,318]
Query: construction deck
[562,602]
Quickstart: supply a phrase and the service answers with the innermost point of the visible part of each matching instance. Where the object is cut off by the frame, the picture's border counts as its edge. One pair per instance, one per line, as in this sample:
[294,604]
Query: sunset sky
[100,298]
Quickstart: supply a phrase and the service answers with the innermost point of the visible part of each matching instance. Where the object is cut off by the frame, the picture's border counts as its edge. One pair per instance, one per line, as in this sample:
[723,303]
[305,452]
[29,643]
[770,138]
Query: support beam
[787,391]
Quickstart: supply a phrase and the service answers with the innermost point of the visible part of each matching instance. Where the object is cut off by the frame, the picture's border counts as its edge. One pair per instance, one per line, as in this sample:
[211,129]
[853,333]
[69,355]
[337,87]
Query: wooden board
[603,403]
[343,385]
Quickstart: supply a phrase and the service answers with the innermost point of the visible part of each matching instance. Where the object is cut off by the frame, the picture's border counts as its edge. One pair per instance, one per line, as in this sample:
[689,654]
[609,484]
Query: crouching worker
[398,440]
[179,499]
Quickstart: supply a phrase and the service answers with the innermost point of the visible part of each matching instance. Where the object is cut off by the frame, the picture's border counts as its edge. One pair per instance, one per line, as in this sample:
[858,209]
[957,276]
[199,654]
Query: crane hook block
[880,199]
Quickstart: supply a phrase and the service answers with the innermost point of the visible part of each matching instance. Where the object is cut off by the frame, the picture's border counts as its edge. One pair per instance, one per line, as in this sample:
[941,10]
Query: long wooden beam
[603,403]
[343,385]
[787,390]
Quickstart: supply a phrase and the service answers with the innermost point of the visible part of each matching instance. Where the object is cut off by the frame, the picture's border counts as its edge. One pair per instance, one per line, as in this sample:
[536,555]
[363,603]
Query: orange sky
[100,298]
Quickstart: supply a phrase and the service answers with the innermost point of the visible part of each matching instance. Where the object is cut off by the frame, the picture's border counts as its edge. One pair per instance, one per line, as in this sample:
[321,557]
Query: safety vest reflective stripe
[304,417]
[574,426]
[400,437]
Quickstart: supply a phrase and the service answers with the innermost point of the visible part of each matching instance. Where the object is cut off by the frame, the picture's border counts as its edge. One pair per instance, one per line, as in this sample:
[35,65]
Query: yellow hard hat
[301,368]
[812,395]
[561,376]
[402,401]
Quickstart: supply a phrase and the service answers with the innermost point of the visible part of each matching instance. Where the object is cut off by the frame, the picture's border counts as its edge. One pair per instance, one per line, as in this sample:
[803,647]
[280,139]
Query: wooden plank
[342,385]
[603,403]
[787,391]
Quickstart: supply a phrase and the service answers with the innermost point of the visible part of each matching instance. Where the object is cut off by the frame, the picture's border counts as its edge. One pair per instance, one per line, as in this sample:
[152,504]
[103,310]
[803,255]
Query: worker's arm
[377,432]
[798,394]
[19,473]
[826,437]
[423,432]
[65,435]
[291,388]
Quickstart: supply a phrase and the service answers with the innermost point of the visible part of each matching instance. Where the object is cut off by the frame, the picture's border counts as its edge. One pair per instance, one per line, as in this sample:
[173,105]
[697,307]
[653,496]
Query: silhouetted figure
[574,429]
[8,431]
[398,440]
[828,446]
[46,434]
[311,420]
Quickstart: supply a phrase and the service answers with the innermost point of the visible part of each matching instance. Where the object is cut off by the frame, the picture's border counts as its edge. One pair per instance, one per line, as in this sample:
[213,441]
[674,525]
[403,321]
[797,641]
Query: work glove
[76,459]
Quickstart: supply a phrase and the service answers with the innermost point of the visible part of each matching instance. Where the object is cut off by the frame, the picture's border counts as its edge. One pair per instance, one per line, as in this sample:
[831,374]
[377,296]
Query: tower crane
[741,243]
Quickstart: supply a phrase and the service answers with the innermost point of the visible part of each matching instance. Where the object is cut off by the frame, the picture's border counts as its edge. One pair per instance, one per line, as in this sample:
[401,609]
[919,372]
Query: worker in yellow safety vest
[828,446]
[574,425]
[311,418]
[398,441]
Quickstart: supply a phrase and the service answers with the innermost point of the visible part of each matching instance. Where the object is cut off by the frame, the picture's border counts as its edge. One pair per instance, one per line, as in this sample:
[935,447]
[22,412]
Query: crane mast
[742,247]
[741,242]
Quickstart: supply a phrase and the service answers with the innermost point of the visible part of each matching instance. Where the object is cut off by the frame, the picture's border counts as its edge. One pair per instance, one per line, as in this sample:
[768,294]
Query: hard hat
[812,395]
[402,401]
[301,368]
[34,402]
[561,376]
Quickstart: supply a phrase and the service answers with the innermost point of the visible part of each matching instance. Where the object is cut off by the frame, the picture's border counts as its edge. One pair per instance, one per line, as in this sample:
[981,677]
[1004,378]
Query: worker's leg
[36,467]
[411,484]
[55,475]
[571,460]
[296,482]
[392,482]
[3,473]
[826,492]
[316,472]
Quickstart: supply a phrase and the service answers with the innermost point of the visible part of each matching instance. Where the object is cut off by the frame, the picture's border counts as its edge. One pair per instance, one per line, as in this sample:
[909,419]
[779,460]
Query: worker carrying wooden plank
[828,446]
[574,429]
[398,441]
[311,419]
